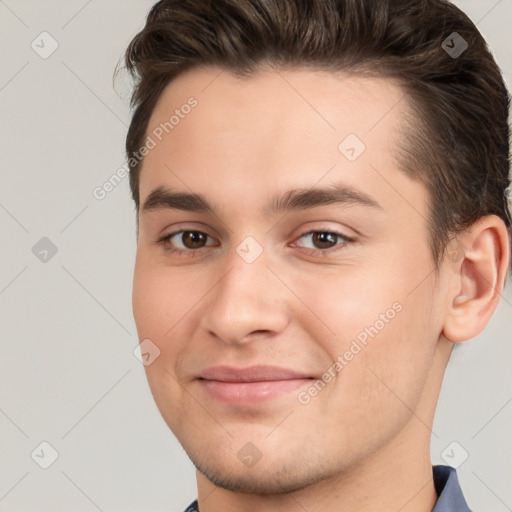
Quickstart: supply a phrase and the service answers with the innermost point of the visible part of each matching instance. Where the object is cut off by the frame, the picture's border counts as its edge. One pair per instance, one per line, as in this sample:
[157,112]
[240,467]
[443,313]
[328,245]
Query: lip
[256,373]
[250,385]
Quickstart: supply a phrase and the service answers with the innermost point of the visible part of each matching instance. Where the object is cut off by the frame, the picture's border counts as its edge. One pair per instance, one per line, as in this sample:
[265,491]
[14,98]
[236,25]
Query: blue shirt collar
[450,497]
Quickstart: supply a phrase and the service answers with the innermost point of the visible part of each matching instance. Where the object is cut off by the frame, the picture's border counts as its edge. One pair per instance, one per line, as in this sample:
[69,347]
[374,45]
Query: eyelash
[164,242]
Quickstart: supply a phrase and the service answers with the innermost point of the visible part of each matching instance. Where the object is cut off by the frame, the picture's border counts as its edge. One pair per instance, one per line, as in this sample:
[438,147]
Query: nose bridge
[246,267]
[247,298]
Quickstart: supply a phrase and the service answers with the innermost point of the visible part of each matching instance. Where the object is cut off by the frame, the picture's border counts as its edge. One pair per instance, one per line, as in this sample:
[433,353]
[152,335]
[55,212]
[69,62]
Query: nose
[248,302]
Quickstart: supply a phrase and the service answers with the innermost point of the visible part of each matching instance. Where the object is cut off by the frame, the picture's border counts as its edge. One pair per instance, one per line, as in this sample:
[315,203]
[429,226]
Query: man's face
[299,284]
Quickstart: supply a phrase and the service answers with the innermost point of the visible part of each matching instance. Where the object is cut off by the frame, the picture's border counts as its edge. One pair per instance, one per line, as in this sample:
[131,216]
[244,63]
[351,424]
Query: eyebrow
[298,199]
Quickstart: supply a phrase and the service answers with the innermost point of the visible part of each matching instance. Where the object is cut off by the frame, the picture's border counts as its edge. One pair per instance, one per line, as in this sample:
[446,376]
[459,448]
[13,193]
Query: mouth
[255,384]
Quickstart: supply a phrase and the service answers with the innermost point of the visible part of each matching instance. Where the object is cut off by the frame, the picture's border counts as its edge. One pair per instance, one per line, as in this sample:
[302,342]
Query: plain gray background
[68,373]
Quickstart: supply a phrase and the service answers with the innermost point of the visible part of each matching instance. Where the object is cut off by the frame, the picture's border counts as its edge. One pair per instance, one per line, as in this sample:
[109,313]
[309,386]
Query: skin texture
[362,442]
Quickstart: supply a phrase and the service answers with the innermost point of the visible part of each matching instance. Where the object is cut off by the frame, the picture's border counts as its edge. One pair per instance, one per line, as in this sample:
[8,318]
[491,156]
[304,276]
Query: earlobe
[477,278]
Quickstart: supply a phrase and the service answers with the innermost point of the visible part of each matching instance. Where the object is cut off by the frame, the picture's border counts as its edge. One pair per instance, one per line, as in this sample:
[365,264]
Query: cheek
[345,303]
[374,321]
[162,297]
[159,302]
[165,303]
[149,300]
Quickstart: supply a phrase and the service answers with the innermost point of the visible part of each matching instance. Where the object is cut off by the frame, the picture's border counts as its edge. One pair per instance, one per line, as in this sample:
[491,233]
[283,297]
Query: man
[322,214]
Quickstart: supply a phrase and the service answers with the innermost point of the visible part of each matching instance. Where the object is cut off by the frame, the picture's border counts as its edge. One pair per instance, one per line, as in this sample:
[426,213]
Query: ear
[477,262]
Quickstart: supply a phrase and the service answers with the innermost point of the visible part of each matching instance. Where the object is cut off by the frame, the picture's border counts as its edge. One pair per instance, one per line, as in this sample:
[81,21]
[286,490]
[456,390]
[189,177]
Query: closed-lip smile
[240,386]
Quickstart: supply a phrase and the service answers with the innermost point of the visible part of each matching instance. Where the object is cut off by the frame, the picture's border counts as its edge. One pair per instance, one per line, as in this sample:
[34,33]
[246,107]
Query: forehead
[274,129]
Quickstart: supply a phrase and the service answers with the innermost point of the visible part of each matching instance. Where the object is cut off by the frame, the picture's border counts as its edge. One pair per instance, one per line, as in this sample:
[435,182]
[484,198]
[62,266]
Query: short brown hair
[458,142]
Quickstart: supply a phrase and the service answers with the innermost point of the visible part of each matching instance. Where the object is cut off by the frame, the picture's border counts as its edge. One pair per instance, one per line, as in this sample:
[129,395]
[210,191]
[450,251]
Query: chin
[272,478]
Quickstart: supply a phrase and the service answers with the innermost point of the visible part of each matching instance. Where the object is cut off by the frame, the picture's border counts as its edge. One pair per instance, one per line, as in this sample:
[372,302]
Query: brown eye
[183,241]
[193,239]
[324,240]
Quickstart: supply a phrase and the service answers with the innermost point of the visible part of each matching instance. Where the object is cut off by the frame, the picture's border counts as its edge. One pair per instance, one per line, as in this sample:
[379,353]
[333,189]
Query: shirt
[446,483]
